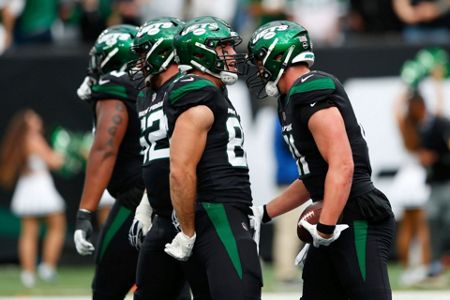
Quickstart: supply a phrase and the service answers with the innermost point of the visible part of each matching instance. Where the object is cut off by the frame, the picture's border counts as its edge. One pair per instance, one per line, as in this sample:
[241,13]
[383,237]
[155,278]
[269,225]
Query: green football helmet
[154,46]
[112,50]
[195,45]
[272,48]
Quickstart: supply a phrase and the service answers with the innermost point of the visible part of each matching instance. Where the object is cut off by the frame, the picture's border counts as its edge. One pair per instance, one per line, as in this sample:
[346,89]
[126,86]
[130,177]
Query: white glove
[84,91]
[317,239]
[301,256]
[255,223]
[142,223]
[84,247]
[181,246]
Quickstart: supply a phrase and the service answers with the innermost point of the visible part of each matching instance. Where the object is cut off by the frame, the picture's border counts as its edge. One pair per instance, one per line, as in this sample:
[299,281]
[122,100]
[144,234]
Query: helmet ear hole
[278,57]
[199,55]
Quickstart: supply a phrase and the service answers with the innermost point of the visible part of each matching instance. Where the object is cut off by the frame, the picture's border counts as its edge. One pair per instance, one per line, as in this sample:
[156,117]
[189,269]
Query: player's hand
[84,91]
[319,240]
[83,233]
[136,234]
[255,223]
[181,246]
[142,223]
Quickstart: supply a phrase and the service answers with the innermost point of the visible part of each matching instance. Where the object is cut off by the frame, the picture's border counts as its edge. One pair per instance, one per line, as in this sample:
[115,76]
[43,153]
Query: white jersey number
[153,131]
[235,150]
[302,165]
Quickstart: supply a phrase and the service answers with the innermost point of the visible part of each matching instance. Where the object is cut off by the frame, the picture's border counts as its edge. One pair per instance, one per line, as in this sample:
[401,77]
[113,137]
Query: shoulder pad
[311,87]
[115,84]
[187,84]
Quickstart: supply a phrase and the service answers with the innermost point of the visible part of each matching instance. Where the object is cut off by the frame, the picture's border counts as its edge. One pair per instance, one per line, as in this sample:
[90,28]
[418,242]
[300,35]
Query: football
[311,214]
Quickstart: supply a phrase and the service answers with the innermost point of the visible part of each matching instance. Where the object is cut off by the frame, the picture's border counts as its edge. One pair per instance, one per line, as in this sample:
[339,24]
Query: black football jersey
[127,169]
[155,149]
[222,172]
[311,92]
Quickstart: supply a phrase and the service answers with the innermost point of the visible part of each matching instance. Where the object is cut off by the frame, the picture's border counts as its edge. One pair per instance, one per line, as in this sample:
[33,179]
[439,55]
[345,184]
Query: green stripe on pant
[360,233]
[218,216]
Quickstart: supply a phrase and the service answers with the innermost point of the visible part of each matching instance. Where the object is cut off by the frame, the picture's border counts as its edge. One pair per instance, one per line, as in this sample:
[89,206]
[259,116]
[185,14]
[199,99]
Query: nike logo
[103,81]
[306,78]
[312,104]
[187,79]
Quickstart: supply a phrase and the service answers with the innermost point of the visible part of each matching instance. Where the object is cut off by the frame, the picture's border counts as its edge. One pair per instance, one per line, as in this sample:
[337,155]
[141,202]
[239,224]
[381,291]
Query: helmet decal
[268,33]
[153,28]
[200,29]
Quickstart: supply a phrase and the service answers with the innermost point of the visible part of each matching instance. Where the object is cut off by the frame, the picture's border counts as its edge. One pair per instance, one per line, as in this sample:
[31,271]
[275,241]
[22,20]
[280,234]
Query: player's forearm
[98,173]
[183,186]
[294,196]
[338,184]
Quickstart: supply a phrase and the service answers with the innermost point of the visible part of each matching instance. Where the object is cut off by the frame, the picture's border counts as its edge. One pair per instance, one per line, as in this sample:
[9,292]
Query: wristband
[84,214]
[325,229]
[265,217]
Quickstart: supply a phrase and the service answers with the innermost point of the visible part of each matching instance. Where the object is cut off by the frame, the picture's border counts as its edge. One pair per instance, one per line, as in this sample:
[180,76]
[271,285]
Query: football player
[114,162]
[349,259]
[159,276]
[209,181]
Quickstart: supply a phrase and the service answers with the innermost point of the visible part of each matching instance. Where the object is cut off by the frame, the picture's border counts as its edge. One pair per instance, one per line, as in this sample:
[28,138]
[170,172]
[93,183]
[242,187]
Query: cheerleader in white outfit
[412,193]
[25,161]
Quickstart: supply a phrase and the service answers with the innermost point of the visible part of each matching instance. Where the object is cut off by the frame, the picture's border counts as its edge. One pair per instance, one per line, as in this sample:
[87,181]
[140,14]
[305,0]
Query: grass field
[75,280]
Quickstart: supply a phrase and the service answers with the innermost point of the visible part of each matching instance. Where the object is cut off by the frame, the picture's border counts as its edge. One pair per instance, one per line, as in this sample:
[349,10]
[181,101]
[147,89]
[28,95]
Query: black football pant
[160,276]
[225,263]
[354,266]
[116,259]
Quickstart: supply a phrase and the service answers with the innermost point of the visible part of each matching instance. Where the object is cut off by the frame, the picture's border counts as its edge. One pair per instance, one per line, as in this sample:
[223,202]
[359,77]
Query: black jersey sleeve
[311,93]
[186,92]
[114,85]
[306,111]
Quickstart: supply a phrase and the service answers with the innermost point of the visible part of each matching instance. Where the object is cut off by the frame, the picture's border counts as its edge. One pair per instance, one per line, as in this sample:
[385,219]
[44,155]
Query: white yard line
[410,295]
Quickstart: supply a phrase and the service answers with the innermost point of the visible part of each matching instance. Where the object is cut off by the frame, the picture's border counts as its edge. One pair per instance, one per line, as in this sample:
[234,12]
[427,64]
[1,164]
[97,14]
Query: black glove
[83,233]
[130,198]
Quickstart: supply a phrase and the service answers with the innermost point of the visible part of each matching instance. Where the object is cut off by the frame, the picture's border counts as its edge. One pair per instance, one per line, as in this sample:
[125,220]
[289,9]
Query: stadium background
[45,78]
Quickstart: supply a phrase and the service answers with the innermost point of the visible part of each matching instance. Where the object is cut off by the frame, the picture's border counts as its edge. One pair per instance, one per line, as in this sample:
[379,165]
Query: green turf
[76,280]
[70,281]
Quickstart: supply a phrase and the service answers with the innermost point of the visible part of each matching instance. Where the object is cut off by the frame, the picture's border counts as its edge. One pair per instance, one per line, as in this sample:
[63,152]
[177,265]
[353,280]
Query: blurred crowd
[77,21]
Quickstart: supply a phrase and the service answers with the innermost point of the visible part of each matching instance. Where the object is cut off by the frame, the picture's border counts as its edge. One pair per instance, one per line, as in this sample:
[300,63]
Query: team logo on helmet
[269,33]
[154,28]
[200,29]
[110,39]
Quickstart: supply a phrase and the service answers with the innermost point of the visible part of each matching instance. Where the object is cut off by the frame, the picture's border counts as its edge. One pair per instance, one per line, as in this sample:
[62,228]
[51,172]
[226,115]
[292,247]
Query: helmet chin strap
[161,69]
[271,86]
[226,77]
[167,61]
